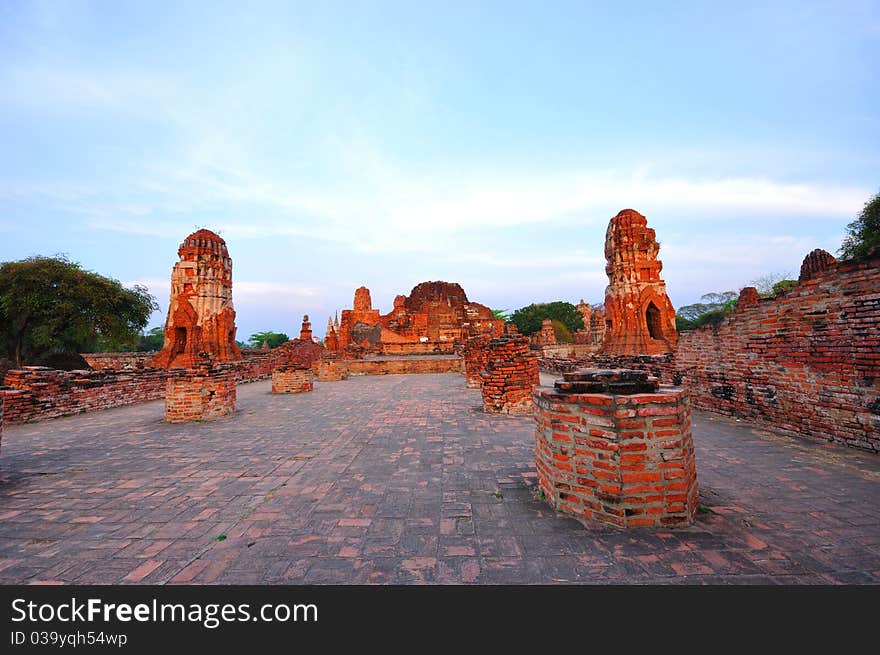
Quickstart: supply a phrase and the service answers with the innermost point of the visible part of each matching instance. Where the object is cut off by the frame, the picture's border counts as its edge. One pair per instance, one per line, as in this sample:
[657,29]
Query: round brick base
[626,460]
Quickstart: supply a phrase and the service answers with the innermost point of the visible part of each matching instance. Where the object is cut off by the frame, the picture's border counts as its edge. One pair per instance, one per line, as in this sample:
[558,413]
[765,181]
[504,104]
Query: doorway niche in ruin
[640,319]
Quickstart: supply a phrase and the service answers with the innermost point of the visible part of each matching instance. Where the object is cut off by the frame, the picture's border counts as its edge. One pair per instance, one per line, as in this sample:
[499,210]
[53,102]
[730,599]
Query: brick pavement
[402,479]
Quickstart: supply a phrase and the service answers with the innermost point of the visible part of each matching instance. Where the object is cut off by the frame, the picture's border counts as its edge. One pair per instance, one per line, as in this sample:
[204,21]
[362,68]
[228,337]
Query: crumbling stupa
[639,317]
[201,319]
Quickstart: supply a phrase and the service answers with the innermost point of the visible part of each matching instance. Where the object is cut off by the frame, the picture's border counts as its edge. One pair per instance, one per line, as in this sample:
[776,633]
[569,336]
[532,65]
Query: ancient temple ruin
[639,317]
[435,317]
[201,318]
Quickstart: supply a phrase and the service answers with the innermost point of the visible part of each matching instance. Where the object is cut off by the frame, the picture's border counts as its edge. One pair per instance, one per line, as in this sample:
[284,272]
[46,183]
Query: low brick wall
[203,393]
[567,350]
[806,363]
[416,348]
[403,366]
[510,375]
[37,393]
[292,379]
[118,361]
[330,369]
[620,455]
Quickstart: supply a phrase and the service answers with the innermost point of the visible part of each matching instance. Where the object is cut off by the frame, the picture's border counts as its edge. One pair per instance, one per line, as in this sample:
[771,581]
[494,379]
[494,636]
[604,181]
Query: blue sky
[340,144]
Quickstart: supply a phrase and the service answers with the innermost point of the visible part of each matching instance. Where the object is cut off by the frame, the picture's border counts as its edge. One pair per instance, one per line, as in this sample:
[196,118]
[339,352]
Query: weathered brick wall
[474,355]
[416,348]
[804,363]
[510,375]
[292,379]
[623,459]
[807,362]
[118,361]
[403,366]
[567,350]
[202,393]
[39,393]
[330,369]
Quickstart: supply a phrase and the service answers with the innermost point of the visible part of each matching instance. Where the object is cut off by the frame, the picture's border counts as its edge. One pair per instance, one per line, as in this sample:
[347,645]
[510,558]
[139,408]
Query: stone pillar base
[199,394]
[292,379]
[612,446]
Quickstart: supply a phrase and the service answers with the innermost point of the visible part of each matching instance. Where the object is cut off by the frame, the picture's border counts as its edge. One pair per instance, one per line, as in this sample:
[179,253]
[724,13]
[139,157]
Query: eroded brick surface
[292,379]
[510,374]
[639,317]
[202,393]
[612,446]
[201,317]
[402,479]
[434,318]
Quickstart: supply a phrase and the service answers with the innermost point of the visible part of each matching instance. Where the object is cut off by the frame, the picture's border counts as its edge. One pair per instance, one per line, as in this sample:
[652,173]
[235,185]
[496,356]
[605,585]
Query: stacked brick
[510,375]
[806,362]
[475,350]
[294,378]
[201,317]
[201,393]
[330,369]
[38,393]
[639,316]
[403,366]
[612,446]
[117,361]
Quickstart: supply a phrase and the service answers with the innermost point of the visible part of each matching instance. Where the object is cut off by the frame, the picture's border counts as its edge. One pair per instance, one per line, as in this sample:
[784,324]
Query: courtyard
[403,479]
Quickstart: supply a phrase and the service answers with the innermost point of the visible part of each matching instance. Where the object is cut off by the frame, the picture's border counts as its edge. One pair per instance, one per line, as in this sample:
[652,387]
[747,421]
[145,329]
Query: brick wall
[37,393]
[292,379]
[805,363]
[330,369]
[118,361]
[403,366]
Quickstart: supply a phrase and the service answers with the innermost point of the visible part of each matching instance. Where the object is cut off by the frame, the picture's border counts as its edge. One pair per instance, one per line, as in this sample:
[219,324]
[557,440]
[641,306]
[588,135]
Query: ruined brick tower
[201,318]
[639,318]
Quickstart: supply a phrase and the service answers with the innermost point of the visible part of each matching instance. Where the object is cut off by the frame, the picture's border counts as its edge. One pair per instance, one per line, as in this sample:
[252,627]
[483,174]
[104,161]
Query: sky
[340,144]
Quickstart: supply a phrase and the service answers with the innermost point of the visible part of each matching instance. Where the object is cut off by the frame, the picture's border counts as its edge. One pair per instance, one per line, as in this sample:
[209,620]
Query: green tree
[561,331]
[772,284]
[863,234]
[154,339]
[275,339]
[501,313]
[528,319]
[52,305]
[714,308]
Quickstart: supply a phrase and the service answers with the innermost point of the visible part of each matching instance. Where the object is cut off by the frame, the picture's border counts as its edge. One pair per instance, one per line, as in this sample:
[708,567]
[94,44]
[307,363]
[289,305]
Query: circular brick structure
[510,375]
[474,354]
[613,446]
[292,379]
